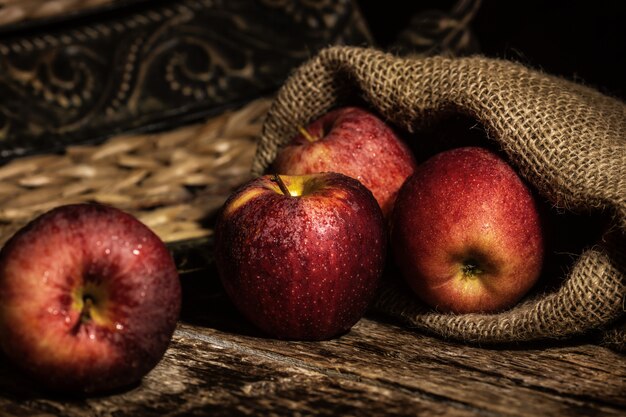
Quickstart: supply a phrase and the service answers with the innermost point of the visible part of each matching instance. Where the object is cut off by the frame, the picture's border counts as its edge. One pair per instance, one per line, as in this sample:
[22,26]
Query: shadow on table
[206,304]
[18,387]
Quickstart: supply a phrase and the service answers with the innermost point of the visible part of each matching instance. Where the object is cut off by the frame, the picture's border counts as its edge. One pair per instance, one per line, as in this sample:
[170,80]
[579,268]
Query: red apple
[467,232]
[89,298]
[353,142]
[301,256]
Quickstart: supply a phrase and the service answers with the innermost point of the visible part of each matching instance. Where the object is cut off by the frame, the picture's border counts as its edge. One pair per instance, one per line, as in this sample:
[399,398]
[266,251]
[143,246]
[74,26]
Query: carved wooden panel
[155,64]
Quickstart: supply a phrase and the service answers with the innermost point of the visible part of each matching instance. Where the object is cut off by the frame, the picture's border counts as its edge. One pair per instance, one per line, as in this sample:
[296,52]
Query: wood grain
[218,364]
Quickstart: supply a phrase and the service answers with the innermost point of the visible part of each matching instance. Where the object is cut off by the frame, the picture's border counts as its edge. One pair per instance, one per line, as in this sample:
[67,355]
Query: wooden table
[217,364]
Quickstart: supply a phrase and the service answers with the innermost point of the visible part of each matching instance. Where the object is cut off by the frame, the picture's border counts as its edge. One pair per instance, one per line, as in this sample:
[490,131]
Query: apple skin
[467,232]
[353,142]
[303,266]
[89,299]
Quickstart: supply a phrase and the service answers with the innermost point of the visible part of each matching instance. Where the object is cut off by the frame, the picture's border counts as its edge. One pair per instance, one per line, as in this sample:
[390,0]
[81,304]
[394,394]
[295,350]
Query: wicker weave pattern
[172,181]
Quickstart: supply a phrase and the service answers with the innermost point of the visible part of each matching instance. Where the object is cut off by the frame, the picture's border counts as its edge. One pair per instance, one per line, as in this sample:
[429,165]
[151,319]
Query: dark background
[579,40]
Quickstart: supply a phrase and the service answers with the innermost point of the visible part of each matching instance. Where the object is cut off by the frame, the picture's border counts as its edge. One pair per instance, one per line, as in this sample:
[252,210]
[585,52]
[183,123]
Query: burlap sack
[568,140]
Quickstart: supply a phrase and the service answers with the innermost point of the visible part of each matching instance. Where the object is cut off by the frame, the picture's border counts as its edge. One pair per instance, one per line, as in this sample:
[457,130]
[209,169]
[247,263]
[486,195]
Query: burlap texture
[566,139]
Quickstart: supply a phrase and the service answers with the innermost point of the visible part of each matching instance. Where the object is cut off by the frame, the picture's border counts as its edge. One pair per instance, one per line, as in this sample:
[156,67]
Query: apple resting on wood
[301,256]
[466,232]
[353,142]
[89,299]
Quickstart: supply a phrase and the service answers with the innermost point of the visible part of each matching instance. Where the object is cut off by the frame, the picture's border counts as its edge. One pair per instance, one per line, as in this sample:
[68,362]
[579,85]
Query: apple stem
[307,135]
[281,185]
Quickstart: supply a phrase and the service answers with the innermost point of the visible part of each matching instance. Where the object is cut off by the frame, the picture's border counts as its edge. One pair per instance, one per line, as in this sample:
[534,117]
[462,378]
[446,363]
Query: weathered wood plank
[526,379]
[532,380]
[208,374]
[540,381]
[219,365]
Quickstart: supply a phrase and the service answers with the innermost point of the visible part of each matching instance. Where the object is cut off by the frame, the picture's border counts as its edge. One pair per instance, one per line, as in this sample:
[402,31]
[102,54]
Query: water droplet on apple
[119,326]
[136,252]
[107,251]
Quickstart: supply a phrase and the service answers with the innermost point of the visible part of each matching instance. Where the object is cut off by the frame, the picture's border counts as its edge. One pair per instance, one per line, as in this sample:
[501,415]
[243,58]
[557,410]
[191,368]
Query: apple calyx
[281,184]
[85,315]
[88,304]
[307,135]
[471,269]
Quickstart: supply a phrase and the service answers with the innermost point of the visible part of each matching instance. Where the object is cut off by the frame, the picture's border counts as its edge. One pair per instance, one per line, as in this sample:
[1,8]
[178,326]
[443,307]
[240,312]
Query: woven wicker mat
[568,140]
[172,181]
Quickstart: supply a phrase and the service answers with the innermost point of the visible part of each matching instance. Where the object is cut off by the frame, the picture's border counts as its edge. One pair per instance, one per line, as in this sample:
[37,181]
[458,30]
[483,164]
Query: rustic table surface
[217,364]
